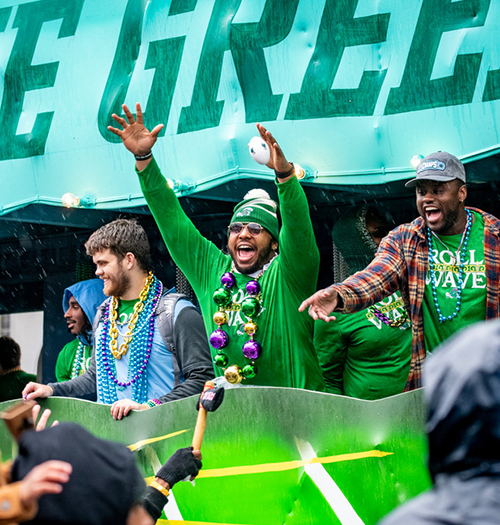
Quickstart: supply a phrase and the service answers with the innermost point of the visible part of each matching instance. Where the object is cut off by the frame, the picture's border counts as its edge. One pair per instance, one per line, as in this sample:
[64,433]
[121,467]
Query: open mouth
[432,214]
[245,252]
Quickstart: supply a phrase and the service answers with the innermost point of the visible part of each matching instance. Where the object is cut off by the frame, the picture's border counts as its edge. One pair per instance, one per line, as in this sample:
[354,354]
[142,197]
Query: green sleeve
[65,360]
[299,253]
[331,348]
[190,251]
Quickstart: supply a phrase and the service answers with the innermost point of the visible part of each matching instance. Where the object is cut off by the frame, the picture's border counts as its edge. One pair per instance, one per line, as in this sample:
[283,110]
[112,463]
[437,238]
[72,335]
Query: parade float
[274,455]
[353,89]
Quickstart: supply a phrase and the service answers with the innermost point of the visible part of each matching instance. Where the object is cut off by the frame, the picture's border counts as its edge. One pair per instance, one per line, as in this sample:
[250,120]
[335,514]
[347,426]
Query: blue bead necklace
[139,354]
[79,363]
[462,249]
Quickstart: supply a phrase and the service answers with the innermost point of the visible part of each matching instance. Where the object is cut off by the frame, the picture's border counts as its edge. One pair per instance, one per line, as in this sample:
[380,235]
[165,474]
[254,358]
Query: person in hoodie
[462,391]
[80,303]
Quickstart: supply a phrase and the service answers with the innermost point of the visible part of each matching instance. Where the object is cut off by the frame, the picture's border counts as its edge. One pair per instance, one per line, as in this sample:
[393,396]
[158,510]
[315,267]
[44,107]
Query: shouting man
[445,263]
[249,298]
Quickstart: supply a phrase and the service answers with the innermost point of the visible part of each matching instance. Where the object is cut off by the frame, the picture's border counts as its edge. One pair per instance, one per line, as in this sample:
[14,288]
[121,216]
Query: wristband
[285,174]
[144,157]
[151,403]
[160,488]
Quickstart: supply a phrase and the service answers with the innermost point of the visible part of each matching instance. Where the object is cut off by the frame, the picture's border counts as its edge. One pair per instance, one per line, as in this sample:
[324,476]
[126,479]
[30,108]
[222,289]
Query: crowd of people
[397,294]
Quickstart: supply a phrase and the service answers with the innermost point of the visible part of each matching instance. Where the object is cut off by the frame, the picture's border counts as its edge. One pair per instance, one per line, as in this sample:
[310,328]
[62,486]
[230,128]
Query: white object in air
[259,150]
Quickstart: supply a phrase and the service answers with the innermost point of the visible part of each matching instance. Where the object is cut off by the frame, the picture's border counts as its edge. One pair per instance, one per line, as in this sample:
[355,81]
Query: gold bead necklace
[113,316]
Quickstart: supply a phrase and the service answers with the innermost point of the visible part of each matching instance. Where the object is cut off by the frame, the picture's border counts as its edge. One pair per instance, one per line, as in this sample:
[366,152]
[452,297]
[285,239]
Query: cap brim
[411,183]
[436,178]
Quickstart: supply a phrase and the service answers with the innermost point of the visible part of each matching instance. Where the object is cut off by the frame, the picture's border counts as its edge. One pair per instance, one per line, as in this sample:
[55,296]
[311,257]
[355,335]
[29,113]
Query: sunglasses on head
[253,228]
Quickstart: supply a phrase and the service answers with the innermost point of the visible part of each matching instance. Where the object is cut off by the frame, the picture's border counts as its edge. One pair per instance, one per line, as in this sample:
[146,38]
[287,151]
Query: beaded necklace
[463,249]
[453,260]
[140,341]
[219,339]
[79,363]
[138,308]
[389,322]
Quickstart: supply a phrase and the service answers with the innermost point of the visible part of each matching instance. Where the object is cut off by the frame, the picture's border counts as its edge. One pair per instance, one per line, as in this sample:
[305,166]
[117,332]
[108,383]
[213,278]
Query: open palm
[135,136]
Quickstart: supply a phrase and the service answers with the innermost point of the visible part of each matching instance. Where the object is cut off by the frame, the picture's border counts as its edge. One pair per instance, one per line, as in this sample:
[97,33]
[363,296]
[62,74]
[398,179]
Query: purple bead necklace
[219,339]
[389,322]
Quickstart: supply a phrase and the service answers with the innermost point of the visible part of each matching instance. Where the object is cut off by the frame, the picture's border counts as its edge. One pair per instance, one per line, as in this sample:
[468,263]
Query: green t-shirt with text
[363,357]
[446,254]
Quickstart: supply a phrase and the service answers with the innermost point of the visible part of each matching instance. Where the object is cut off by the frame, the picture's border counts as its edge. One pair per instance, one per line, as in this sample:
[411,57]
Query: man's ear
[129,260]
[462,193]
[274,246]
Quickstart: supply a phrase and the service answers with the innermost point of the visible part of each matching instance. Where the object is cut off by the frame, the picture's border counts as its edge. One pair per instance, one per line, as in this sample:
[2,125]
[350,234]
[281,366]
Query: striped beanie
[257,206]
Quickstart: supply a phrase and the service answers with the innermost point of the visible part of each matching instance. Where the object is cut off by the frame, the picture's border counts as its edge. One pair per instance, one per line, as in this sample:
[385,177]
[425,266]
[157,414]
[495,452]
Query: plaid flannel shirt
[401,263]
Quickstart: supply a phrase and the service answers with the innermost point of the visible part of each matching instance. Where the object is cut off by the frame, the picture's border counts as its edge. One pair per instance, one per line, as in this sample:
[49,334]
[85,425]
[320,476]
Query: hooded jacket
[462,389]
[89,295]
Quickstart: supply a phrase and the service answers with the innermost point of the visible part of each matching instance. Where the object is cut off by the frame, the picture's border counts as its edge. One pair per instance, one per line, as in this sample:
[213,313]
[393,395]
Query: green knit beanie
[257,206]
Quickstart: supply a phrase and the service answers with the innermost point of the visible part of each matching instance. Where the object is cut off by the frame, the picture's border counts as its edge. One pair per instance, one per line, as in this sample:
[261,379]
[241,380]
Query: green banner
[352,89]
[275,455]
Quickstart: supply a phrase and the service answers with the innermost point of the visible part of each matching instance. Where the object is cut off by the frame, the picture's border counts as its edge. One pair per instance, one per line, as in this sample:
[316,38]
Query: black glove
[179,466]
[211,399]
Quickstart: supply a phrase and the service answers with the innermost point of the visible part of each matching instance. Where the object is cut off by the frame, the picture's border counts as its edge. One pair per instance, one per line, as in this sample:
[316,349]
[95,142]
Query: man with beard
[249,298]
[149,344]
[80,303]
[445,263]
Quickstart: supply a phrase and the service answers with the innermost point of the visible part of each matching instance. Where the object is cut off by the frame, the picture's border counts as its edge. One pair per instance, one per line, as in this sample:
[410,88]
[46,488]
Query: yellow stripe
[143,442]
[284,465]
[287,465]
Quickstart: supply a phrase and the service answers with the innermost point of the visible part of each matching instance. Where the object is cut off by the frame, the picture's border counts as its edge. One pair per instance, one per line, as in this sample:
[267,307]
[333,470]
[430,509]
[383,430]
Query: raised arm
[299,254]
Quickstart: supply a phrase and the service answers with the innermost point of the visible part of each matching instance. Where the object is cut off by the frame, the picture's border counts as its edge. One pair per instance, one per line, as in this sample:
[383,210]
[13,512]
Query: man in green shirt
[80,303]
[445,263]
[12,378]
[249,297]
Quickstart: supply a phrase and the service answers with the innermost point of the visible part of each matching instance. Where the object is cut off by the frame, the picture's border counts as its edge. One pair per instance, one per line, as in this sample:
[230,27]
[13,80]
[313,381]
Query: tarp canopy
[351,89]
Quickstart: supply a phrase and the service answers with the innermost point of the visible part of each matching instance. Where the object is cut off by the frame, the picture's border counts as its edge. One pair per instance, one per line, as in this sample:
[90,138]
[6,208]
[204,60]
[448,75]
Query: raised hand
[277,159]
[42,422]
[135,136]
[321,304]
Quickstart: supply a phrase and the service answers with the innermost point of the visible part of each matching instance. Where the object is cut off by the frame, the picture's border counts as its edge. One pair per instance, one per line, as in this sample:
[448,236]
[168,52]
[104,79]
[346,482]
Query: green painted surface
[352,90]
[257,427]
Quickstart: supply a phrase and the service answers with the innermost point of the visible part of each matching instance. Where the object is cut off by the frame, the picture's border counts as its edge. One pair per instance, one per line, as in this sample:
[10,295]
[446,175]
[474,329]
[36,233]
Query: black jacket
[192,360]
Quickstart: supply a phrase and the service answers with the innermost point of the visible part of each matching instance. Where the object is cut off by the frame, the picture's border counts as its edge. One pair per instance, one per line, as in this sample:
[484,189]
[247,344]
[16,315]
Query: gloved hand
[211,399]
[181,465]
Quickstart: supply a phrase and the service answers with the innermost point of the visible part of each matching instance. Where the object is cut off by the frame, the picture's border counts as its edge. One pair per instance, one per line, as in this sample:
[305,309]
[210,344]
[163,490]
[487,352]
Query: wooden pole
[201,422]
